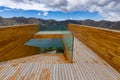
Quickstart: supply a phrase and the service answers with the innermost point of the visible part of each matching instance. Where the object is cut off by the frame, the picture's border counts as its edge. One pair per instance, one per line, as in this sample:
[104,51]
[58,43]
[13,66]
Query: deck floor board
[87,66]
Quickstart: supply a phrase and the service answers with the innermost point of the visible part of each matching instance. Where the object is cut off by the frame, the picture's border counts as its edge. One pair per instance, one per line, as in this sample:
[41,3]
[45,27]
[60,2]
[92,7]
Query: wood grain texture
[45,74]
[43,58]
[87,66]
[105,42]
[47,36]
[12,41]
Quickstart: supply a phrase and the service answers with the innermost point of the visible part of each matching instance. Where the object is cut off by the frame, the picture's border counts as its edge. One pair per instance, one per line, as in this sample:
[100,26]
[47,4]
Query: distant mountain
[52,24]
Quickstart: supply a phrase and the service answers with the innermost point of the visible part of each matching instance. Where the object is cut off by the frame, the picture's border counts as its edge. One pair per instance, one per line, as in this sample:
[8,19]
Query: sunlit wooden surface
[47,58]
[12,39]
[48,34]
[87,66]
[105,42]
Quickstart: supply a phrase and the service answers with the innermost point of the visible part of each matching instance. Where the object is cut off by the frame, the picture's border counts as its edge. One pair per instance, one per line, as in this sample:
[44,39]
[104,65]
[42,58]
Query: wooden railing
[12,41]
[105,42]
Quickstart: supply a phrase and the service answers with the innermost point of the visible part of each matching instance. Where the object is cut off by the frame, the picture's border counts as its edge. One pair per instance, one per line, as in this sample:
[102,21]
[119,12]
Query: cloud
[71,18]
[7,9]
[23,4]
[1,10]
[39,14]
[45,13]
[109,9]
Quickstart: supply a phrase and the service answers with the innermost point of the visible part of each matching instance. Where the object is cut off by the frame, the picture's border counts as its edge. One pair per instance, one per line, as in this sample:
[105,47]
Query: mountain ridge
[58,24]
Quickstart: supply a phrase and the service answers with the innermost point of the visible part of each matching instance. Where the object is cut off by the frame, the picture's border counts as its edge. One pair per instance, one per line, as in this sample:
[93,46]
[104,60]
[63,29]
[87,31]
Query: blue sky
[62,9]
[57,15]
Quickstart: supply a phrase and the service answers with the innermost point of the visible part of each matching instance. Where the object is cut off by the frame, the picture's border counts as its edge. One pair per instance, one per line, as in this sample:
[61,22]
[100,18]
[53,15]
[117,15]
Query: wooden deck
[47,58]
[47,34]
[87,66]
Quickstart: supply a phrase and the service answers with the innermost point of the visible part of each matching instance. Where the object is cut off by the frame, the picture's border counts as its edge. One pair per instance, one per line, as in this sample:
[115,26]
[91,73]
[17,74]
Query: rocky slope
[52,24]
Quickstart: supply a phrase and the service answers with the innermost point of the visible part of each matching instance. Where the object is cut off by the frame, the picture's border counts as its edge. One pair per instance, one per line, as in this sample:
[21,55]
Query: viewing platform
[89,54]
[86,66]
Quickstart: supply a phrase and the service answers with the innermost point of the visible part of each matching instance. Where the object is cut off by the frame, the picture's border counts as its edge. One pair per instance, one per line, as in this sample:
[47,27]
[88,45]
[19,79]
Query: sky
[62,9]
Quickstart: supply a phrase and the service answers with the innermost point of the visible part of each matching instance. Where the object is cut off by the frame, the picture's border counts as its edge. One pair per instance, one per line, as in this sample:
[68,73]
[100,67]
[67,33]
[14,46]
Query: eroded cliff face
[12,41]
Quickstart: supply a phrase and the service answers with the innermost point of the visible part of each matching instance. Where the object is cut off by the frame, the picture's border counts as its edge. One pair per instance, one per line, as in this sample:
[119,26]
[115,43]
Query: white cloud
[1,10]
[23,4]
[45,13]
[109,9]
[71,18]
[39,14]
[7,9]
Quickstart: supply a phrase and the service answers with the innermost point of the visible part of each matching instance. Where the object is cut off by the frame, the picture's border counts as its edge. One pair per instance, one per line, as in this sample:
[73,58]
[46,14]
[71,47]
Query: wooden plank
[12,41]
[87,66]
[45,74]
[105,42]
[37,36]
